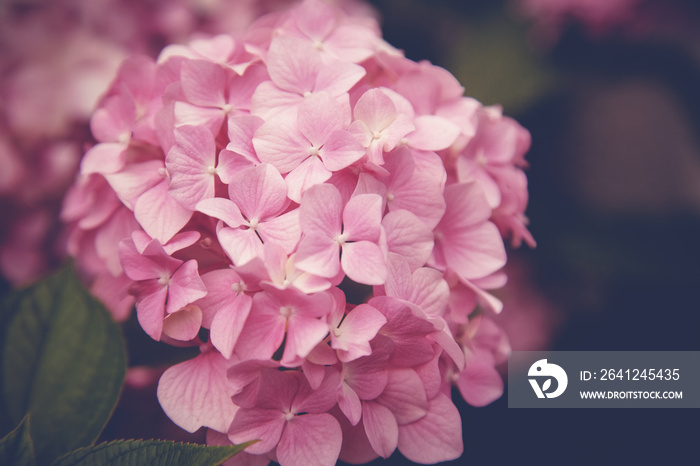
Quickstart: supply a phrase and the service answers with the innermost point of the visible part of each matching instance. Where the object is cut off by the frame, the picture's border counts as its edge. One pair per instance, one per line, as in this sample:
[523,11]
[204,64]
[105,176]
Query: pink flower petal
[191,164]
[184,324]
[480,383]
[362,217]
[185,286]
[228,323]
[310,439]
[180,393]
[251,424]
[259,192]
[364,263]
[436,437]
[405,396]
[160,214]
[381,428]
[309,173]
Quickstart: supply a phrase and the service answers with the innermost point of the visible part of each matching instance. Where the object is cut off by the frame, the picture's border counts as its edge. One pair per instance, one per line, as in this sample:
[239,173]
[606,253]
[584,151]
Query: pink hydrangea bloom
[323,218]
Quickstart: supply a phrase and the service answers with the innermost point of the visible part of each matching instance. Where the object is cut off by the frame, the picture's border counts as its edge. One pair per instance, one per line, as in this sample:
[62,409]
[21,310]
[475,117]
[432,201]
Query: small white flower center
[340,239]
[124,138]
[389,197]
[227,108]
[337,332]
[211,169]
[313,151]
[307,93]
[253,223]
[164,280]
[161,172]
[438,235]
[403,142]
[318,45]
[286,311]
[288,416]
[238,287]
[376,135]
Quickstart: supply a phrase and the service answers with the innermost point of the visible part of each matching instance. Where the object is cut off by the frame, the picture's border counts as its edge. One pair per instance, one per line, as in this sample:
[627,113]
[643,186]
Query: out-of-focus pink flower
[247,184]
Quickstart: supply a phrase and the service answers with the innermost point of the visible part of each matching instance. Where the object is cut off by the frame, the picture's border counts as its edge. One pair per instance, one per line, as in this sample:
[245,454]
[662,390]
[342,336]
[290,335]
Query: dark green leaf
[16,448]
[150,453]
[63,360]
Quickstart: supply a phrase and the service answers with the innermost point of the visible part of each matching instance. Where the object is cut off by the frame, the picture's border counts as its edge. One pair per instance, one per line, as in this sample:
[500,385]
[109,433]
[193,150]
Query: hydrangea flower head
[323,218]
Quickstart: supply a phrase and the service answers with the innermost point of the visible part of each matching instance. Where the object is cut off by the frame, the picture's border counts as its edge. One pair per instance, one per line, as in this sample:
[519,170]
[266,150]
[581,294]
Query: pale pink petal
[283,230]
[184,324]
[320,114]
[204,83]
[269,101]
[320,211]
[340,150]
[265,425]
[361,218]
[150,306]
[476,252]
[106,157]
[230,163]
[180,393]
[185,286]
[337,77]
[318,255]
[375,109]
[310,439]
[228,323]
[381,428]
[191,164]
[160,214]
[241,129]
[352,338]
[480,383]
[303,334]
[259,192]
[309,173]
[223,209]
[363,262]
[433,133]
[209,118]
[279,143]
[409,237]
[436,437]
[241,245]
[135,179]
[405,396]
[293,64]
[350,404]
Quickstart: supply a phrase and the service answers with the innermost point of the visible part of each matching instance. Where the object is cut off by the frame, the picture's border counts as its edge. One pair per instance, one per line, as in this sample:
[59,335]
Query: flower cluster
[320,216]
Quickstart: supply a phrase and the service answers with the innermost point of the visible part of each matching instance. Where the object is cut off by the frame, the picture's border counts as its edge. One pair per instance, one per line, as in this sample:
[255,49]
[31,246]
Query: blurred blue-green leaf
[63,361]
[16,449]
[150,453]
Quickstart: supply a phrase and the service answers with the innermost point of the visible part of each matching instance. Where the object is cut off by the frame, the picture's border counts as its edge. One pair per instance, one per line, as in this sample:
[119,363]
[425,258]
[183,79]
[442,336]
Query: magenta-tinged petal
[352,338]
[364,263]
[283,230]
[210,118]
[230,163]
[340,150]
[241,245]
[320,114]
[180,393]
[223,286]
[263,331]
[223,209]
[398,283]
[191,164]
[409,237]
[241,129]
[480,383]
[436,437]
[310,439]
[184,324]
[293,64]
[320,211]
[185,286]
[114,119]
[381,428]
[106,157]
[362,217]
[303,334]
[160,214]
[349,403]
[433,133]
[279,143]
[150,306]
[228,323]
[309,173]
[430,291]
[135,179]
[204,83]
[259,192]
[475,252]
[405,396]
[251,424]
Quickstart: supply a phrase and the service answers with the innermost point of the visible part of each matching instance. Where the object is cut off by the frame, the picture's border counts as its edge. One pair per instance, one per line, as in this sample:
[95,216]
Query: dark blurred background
[614,184]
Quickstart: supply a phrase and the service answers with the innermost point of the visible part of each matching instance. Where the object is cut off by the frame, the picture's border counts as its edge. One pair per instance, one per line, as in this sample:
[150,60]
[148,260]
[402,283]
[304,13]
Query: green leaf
[150,453]
[16,448]
[63,360]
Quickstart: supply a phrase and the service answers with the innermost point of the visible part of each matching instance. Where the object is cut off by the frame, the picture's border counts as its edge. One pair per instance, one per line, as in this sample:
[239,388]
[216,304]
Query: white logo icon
[542,369]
